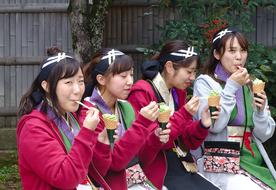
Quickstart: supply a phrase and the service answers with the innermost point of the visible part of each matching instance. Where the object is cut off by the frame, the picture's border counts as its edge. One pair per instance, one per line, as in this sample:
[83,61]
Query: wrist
[203,125]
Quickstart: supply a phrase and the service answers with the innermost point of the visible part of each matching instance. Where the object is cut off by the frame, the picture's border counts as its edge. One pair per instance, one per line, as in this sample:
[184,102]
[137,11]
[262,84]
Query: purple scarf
[223,75]
[61,123]
[175,99]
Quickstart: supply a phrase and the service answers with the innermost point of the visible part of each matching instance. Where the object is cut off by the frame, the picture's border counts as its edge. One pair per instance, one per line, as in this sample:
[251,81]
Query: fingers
[168,125]
[262,95]
[205,117]
[215,115]
[151,111]
[165,132]
[194,100]
[192,105]
[218,107]
[164,138]
[155,110]
[92,118]
[152,105]
[260,100]
[102,137]
[92,111]
[163,135]
[116,137]
[157,131]
[241,76]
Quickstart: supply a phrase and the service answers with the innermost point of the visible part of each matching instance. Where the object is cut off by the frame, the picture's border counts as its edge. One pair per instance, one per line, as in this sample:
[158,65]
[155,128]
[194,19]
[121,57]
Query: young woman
[110,75]
[166,78]
[55,152]
[225,73]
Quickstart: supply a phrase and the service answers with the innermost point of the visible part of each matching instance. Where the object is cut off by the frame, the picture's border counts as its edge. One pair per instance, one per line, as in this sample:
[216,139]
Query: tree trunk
[87,25]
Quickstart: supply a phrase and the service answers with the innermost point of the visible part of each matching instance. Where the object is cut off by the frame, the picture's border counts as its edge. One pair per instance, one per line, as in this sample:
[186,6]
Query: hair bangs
[186,62]
[68,68]
[240,37]
[121,64]
[242,41]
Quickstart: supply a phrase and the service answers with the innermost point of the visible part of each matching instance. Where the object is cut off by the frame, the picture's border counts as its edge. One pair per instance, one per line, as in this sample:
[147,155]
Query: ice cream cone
[258,88]
[111,123]
[213,102]
[164,115]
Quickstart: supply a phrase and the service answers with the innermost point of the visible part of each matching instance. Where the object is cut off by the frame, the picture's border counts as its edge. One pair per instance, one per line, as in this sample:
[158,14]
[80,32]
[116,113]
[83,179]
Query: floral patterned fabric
[222,159]
[135,175]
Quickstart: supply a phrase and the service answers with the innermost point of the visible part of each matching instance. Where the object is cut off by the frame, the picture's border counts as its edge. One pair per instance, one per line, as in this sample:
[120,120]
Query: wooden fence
[28,27]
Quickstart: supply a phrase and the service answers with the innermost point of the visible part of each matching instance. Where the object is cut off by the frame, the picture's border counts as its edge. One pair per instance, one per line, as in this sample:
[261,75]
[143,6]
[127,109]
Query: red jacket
[43,161]
[181,124]
[124,150]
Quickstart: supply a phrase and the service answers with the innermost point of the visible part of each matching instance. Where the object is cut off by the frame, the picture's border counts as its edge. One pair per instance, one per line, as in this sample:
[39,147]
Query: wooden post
[87,24]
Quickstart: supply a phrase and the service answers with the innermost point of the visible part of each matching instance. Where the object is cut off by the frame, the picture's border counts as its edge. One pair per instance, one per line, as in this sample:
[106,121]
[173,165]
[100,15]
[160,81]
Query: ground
[9,178]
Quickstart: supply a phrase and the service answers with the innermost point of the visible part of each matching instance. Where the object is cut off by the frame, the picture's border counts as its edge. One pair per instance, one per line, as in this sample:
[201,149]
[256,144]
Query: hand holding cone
[111,123]
[164,115]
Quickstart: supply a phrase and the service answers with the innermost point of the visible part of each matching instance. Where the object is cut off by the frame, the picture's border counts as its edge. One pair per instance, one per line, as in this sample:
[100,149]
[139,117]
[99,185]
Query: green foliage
[262,64]
[198,20]
[96,14]
[9,177]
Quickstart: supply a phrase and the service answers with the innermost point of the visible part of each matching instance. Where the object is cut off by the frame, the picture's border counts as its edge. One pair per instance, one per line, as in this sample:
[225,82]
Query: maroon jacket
[182,124]
[44,163]
[124,150]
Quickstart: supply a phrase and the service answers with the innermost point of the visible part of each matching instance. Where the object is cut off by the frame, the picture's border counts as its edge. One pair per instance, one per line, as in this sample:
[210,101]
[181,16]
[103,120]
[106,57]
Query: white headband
[185,53]
[54,59]
[111,55]
[221,34]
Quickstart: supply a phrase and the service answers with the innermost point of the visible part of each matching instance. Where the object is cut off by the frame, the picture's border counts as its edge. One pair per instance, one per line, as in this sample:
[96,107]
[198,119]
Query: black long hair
[65,68]
[156,64]
[219,46]
[120,64]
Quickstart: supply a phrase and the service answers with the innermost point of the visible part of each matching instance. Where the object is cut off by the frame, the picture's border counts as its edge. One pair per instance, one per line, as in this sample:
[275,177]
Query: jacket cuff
[201,129]
[88,134]
[231,86]
[144,121]
[185,113]
[102,148]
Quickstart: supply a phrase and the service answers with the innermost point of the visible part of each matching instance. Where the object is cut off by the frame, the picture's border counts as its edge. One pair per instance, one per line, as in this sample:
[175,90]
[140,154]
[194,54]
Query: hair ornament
[185,53]
[221,34]
[49,63]
[54,59]
[178,55]
[111,55]
[105,61]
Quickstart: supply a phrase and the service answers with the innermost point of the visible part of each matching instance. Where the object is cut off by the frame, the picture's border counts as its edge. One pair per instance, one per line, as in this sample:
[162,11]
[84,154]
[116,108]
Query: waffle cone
[110,124]
[258,88]
[164,116]
[213,100]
